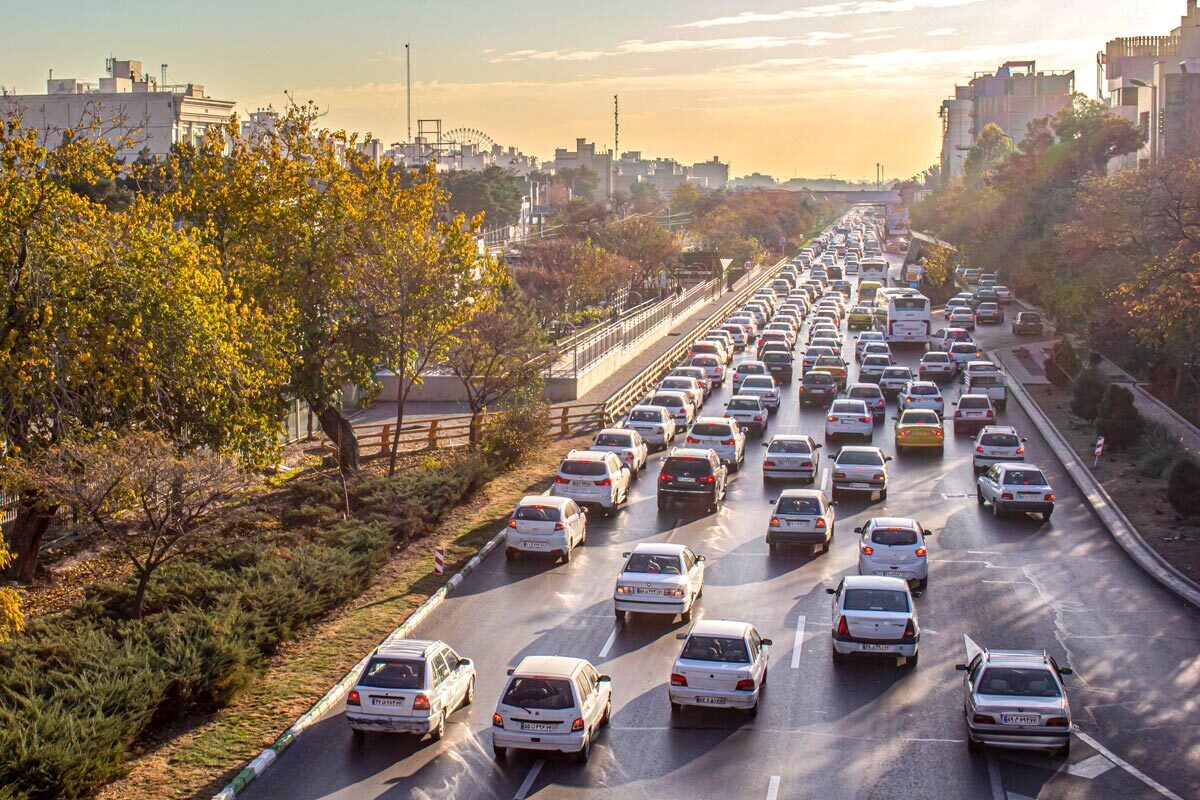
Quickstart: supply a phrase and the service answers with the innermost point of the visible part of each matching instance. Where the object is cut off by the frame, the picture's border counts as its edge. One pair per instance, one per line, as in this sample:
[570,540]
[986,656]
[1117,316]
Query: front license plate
[860,486]
[1019,719]
[538,727]
[711,701]
[879,648]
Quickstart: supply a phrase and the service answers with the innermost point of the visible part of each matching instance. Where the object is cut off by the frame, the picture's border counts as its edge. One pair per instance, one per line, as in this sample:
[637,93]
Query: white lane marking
[1125,765]
[612,637]
[994,778]
[529,779]
[799,645]
[1025,583]
[1090,768]
[773,788]
[826,480]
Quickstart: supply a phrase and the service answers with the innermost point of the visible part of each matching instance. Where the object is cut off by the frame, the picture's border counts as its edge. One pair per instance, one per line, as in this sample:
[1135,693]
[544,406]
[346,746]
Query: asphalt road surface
[866,729]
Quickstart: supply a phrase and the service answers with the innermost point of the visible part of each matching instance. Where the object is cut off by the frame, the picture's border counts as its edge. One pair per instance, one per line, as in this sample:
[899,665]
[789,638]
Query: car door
[443,685]
[576,522]
[692,569]
[837,604]
[758,656]
[460,678]
[585,687]
[991,481]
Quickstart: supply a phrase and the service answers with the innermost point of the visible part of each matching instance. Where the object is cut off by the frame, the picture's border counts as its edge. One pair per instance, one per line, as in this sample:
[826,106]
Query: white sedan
[849,418]
[545,525]
[655,424]
[921,395]
[723,664]
[659,578]
[875,616]
[762,387]
[627,443]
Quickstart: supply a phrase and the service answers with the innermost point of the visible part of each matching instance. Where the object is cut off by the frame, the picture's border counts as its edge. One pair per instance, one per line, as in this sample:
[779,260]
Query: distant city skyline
[784,89]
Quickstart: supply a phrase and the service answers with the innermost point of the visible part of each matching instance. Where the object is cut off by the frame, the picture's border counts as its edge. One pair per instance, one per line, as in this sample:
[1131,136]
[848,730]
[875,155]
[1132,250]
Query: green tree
[991,145]
[683,198]
[493,191]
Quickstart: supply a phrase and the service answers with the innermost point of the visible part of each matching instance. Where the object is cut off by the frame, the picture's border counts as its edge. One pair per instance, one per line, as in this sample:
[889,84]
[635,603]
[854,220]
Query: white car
[655,424]
[921,395]
[678,403]
[1015,487]
[872,368]
[722,664]
[943,338]
[791,456]
[591,477]
[865,338]
[762,387]
[872,395]
[410,686]
[962,353]
[973,410]
[628,444]
[713,367]
[688,386]
[750,412]
[875,615]
[659,578]
[936,365]
[801,516]
[980,367]
[893,379]
[745,370]
[849,418]
[545,525]
[997,443]
[875,349]
[551,703]
[694,372]
[723,435]
[860,469]
[894,547]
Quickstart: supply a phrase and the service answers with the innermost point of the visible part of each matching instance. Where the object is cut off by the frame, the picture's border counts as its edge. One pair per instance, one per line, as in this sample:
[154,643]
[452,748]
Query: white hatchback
[545,525]
[894,547]
[875,616]
[849,418]
[689,386]
[551,703]
[410,686]
[628,444]
[722,664]
[659,578]
[996,443]
[722,435]
[678,403]
[921,395]
[593,478]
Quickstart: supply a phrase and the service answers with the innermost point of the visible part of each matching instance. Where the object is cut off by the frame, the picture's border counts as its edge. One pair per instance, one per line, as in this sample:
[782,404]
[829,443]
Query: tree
[494,354]
[137,491]
[493,191]
[645,198]
[12,620]
[646,243]
[562,274]
[991,145]
[580,182]
[683,198]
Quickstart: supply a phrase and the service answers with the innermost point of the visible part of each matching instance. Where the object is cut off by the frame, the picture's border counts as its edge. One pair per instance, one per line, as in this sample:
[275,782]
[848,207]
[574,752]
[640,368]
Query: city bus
[908,317]
[873,269]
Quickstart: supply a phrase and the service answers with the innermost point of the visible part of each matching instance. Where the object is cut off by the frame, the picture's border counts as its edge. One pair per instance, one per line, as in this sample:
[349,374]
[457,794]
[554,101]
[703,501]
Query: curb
[267,757]
[1118,525]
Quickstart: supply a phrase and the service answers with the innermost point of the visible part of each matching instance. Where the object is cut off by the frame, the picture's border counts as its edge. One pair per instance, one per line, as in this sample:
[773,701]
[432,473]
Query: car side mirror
[465,662]
[769,642]
[606,678]
[511,670]
[662,459]
[887,458]
[626,554]
[961,667]
[858,529]
[1066,671]
[917,595]
[765,444]
[818,446]
[681,636]
[828,590]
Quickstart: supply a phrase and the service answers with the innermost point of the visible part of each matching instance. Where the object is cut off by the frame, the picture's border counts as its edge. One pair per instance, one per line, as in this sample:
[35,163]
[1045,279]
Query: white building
[585,154]
[138,113]
[956,135]
[710,174]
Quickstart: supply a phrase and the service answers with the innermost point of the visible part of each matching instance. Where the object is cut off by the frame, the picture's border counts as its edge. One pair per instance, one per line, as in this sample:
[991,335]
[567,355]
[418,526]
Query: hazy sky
[801,87]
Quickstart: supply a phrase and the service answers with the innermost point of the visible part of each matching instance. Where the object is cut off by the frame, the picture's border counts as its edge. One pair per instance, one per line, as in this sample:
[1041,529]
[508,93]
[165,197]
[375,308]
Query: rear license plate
[687,480]
[537,545]
[649,590]
[541,727]
[879,648]
[388,701]
[860,486]
[582,483]
[1019,719]
[711,701]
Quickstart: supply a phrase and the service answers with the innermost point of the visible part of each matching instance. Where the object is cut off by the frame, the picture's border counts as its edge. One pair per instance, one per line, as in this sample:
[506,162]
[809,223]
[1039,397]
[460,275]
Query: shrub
[1183,487]
[1158,449]
[515,433]
[1063,364]
[1087,393]
[1117,419]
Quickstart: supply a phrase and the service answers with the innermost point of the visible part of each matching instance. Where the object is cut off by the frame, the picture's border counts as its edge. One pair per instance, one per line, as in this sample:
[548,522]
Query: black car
[985,296]
[818,387]
[779,365]
[1027,323]
[690,475]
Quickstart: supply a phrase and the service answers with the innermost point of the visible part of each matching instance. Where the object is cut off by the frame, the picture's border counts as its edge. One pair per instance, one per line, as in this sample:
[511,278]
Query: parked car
[659,578]
[803,517]
[894,547]
[723,664]
[791,455]
[1016,699]
[594,478]
[1015,487]
[410,686]
[551,703]
[545,525]
[1028,323]
[691,475]
[874,615]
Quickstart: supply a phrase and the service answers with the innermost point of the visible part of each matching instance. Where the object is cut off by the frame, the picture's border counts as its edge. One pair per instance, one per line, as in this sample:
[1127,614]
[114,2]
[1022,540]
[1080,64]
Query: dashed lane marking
[994,778]
[612,637]
[799,645]
[523,792]
[773,788]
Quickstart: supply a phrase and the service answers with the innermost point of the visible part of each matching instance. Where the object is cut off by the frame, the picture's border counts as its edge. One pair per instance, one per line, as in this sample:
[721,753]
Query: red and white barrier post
[1099,451]
[439,560]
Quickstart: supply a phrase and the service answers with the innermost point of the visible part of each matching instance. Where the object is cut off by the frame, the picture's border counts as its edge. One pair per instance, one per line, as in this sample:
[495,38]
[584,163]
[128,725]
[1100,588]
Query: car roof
[660,548]
[543,500]
[719,627]
[998,429]
[657,409]
[814,493]
[589,455]
[745,397]
[1026,658]
[690,452]
[711,420]
[860,448]
[874,386]
[670,393]
[874,582]
[625,431]
[895,522]
[405,648]
[1020,465]
[963,396]
[791,437]
[549,666]
[979,362]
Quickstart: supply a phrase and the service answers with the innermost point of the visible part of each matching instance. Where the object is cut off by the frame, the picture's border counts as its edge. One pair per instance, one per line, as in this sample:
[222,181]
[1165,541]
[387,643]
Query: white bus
[908,317]
[873,269]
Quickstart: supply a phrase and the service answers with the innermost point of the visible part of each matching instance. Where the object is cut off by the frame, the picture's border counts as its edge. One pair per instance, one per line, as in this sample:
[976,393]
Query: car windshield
[894,537]
[1018,682]
[875,600]
[538,514]
[860,458]
[583,468]
[687,467]
[645,416]
[546,693]
[1000,440]
[711,429]
[1024,477]
[799,506]
[614,440]
[743,404]
[725,649]
[920,418]
[386,673]
[786,446]
[653,564]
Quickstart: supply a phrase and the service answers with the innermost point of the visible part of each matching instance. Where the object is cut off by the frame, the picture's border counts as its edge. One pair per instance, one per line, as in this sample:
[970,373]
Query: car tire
[566,556]
[685,616]
[773,548]
[838,658]
[439,733]
[997,509]
[978,496]
[621,616]
[585,752]
[882,495]
[510,554]
[911,661]
[752,711]
[662,504]
[676,709]
[469,697]
[972,745]
[825,546]
[923,584]
[1046,516]
[499,752]
[1064,751]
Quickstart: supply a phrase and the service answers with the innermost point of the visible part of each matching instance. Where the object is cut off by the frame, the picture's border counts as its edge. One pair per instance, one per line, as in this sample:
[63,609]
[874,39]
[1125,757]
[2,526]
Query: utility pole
[612,169]
[408,82]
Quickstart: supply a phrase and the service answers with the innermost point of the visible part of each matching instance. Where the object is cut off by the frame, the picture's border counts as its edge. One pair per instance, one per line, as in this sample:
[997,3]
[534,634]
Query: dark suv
[779,365]
[690,474]
[1027,323]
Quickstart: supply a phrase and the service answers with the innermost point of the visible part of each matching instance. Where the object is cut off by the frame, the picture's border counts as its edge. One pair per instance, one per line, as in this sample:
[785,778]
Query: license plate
[711,701]
[687,480]
[649,590]
[1029,496]
[879,648]
[582,483]
[1020,719]
[884,571]
[538,726]
[537,545]
[860,486]
[388,701]
[786,462]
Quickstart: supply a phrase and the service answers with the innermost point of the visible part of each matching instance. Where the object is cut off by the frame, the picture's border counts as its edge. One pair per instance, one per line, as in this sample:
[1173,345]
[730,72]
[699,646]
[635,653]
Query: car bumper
[688,495]
[847,485]
[554,742]
[921,441]
[650,604]
[868,647]
[916,571]
[686,696]
[848,430]
[1027,505]
[555,543]
[817,397]
[383,724]
[1054,739]
[789,472]
[601,499]
[789,536]
[983,462]
[657,436]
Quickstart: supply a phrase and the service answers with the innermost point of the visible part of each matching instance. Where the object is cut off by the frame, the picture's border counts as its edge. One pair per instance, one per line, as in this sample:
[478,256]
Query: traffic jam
[821,335]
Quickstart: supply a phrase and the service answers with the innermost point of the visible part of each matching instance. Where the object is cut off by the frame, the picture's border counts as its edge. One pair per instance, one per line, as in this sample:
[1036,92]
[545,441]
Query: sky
[785,87]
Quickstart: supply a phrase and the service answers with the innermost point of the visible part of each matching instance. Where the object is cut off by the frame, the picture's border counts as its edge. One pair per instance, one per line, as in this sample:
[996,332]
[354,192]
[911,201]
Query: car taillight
[908,399]
[768,463]
[821,522]
[691,440]
[775,521]
[864,419]
[629,457]
[983,719]
[842,627]
[512,523]
[497,721]
[1020,451]
[910,629]
[806,464]
[839,474]
[991,414]
[979,448]
[958,414]
[708,479]
[867,550]
[560,479]
[1006,496]
[577,725]
[729,442]
[1057,722]
[921,552]
[831,418]
[745,685]
[420,703]
[937,431]
[353,698]
[605,482]
[878,476]
[663,476]
[1050,496]
[757,418]
[678,680]
[558,526]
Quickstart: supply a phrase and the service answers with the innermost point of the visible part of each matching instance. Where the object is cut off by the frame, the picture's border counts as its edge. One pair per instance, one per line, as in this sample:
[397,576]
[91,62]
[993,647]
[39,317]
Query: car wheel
[911,661]
[662,504]
[972,745]
[838,658]
[440,731]
[499,752]
[607,713]
[899,449]
[585,752]
[825,546]
[882,494]
[978,496]
[1064,751]
[1046,516]
[359,737]
[469,697]
[996,509]
[676,709]
[510,553]
[620,615]
[753,710]
[773,548]
[923,583]
[566,556]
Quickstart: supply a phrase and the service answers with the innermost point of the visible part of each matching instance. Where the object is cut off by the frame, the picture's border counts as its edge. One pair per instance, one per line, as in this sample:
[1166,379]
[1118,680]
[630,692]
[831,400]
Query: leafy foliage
[1117,419]
[1088,390]
[1183,487]
[1063,364]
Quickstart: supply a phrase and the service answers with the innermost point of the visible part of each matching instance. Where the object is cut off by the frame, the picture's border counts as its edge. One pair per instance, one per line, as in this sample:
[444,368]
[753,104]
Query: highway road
[861,730]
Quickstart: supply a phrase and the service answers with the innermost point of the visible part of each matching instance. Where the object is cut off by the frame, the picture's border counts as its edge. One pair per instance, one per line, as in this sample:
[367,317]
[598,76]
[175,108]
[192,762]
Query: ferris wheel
[470,136]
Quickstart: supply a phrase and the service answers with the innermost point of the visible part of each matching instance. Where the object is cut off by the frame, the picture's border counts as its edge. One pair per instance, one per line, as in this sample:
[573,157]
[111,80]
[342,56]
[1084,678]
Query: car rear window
[973,403]
[744,404]
[963,347]
[922,391]
[688,467]
[894,537]
[386,673]
[752,369]
[704,361]
[583,468]
[1018,682]
[614,440]
[758,383]
[667,401]
[711,429]
[538,514]
[789,447]
[936,358]
[898,372]
[865,393]
[677,383]
[776,358]
[645,416]
[545,693]
[860,458]
[875,600]
[725,649]
[847,407]
[803,506]
[1000,440]
[920,418]
[652,564]
[1024,477]
[876,361]
[819,379]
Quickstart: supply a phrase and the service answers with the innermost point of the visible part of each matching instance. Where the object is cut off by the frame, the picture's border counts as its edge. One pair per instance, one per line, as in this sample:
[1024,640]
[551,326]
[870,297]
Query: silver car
[893,379]
[997,443]
[1016,699]
[803,517]
[762,387]
[860,469]
[791,456]
[894,547]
